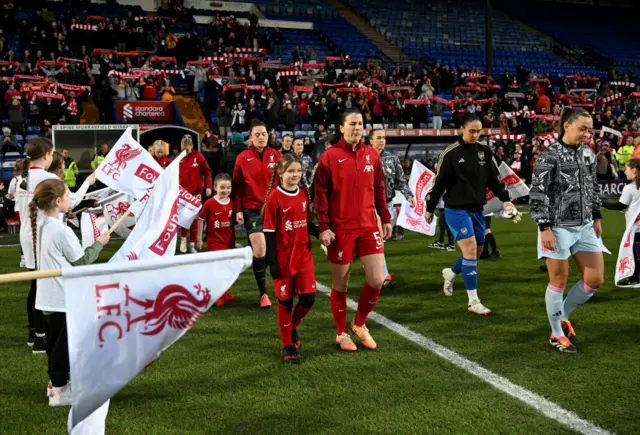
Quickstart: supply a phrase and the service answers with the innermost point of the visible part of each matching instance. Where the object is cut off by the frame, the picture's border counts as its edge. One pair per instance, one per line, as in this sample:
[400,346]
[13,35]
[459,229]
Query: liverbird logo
[174,306]
[123,155]
[625,265]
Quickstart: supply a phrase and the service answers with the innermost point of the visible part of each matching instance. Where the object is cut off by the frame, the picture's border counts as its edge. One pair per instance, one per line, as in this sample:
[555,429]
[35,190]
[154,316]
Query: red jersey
[252,176]
[286,215]
[149,92]
[220,222]
[349,188]
[193,169]
[163,161]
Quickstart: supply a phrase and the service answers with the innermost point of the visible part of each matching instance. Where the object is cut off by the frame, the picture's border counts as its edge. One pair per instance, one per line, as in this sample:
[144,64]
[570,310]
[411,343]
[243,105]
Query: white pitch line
[539,403]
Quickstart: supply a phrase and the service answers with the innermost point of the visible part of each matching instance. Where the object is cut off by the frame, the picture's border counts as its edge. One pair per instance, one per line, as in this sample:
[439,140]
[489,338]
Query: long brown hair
[283,164]
[18,167]
[37,148]
[635,164]
[44,198]
[57,165]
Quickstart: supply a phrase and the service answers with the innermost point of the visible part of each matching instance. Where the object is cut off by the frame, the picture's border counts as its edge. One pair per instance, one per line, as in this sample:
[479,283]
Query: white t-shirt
[13,186]
[58,247]
[630,197]
[24,197]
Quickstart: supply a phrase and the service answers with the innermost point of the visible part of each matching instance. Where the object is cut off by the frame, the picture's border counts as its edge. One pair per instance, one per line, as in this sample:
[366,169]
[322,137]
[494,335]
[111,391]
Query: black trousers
[57,348]
[442,228]
[35,317]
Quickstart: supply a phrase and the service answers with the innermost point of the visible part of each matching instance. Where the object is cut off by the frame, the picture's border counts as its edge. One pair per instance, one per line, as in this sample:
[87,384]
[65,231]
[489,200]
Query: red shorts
[289,286]
[218,247]
[350,242]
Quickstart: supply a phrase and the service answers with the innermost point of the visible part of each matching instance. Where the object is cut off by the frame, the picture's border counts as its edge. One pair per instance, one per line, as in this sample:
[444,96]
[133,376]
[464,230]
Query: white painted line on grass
[539,403]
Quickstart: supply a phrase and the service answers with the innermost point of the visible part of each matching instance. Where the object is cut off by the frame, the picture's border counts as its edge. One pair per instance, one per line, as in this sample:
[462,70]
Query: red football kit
[286,214]
[349,190]
[219,218]
[195,175]
[163,161]
[252,177]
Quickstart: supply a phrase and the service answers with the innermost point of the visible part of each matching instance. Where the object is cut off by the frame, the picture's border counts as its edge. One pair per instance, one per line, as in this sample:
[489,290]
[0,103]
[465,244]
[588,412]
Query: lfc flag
[626,263]
[116,206]
[121,316]
[154,234]
[515,186]
[128,167]
[412,218]
[189,207]
[92,225]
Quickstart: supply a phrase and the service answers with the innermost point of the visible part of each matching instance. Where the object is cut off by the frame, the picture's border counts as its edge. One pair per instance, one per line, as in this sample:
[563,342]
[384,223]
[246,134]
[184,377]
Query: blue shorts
[569,241]
[464,224]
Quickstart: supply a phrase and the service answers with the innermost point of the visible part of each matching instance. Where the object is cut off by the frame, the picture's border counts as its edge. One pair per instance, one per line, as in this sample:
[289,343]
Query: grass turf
[225,375]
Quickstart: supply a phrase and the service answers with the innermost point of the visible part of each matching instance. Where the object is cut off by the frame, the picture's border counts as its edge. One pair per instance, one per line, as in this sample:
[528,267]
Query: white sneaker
[22,261]
[448,276]
[476,307]
[192,249]
[183,245]
[60,396]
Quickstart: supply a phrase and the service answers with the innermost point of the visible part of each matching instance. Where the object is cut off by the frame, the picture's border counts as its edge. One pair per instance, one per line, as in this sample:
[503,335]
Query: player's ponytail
[568,115]
[33,218]
[274,171]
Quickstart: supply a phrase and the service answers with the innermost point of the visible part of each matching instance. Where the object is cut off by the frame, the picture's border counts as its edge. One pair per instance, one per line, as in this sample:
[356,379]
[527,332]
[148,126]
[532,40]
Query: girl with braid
[39,158]
[55,246]
[287,225]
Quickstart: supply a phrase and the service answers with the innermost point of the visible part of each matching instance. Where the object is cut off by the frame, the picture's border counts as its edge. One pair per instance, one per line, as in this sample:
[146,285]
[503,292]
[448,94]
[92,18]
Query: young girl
[12,194]
[287,225]
[629,202]
[34,171]
[217,214]
[55,246]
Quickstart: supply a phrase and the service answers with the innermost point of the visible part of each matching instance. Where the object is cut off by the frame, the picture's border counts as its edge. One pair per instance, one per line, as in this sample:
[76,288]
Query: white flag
[189,207]
[412,218]
[155,232]
[128,167]
[121,316]
[113,208]
[515,186]
[626,264]
[100,194]
[91,226]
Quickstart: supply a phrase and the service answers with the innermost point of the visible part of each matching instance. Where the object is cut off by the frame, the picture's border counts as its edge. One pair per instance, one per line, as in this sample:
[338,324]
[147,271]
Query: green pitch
[225,375]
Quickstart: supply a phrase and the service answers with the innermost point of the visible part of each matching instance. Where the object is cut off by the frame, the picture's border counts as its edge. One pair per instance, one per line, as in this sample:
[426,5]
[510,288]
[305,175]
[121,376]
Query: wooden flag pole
[118,222]
[28,276]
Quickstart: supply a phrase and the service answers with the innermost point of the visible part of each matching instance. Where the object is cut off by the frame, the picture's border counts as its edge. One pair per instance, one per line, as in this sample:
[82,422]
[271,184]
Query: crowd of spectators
[146,58]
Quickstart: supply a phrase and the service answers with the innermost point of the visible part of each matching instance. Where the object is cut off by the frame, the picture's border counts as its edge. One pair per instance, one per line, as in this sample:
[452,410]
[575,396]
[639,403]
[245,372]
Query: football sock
[366,303]
[299,313]
[285,322]
[260,272]
[578,295]
[470,273]
[339,310]
[553,301]
[457,266]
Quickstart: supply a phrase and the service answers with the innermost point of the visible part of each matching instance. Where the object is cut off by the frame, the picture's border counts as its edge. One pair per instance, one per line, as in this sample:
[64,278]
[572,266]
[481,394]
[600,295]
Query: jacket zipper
[355,157]
[575,156]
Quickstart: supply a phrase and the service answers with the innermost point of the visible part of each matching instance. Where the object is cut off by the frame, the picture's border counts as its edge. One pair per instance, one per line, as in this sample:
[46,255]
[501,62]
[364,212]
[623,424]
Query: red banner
[144,111]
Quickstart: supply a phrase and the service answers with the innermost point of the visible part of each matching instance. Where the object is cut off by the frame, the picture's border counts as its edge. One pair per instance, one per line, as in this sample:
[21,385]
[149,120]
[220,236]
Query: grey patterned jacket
[307,169]
[394,176]
[564,190]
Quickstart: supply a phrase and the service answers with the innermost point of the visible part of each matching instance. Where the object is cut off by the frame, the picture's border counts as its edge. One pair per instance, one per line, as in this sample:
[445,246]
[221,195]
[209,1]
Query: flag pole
[118,222]
[28,276]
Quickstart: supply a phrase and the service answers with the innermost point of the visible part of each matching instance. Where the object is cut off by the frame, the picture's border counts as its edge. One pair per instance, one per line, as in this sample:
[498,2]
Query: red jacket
[193,169]
[149,92]
[164,161]
[349,188]
[252,177]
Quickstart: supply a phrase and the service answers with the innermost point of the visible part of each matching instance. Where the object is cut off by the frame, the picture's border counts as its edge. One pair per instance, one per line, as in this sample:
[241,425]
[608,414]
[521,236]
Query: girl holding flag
[629,202]
[287,225]
[34,171]
[565,203]
[217,213]
[54,247]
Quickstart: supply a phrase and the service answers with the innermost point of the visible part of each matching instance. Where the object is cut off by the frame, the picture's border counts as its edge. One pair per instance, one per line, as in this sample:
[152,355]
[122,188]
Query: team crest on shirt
[230,213]
[368,167]
[481,157]
[283,290]
[304,206]
[195,163]
[271,164]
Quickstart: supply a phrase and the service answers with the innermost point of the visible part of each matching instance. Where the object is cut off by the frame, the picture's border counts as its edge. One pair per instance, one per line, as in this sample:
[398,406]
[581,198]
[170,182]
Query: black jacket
[228,161]
[465,171]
